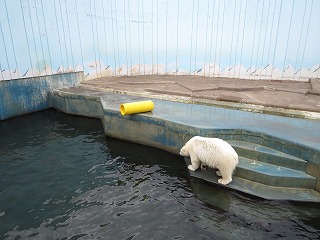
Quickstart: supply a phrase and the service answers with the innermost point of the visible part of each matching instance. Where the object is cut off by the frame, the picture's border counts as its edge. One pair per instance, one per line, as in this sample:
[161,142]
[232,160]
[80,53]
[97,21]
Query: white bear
[211,152]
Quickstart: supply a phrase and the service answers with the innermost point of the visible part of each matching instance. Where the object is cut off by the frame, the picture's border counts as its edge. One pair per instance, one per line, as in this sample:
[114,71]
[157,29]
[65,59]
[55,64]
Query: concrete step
[273,175]
[258,189]
[267,173]
[261,190]
[268,155]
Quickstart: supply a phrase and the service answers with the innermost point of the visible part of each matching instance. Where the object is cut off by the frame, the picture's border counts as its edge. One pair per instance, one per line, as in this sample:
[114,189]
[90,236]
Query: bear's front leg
[192,168]
[224,181]
[195,163]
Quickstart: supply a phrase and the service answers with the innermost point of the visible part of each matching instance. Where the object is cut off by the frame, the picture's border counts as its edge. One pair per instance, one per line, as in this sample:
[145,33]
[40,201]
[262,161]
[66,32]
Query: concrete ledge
[106,106]
[88,106]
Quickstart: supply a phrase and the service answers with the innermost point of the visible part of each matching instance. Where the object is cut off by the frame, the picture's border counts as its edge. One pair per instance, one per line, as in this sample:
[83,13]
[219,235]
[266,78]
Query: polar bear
[211,152]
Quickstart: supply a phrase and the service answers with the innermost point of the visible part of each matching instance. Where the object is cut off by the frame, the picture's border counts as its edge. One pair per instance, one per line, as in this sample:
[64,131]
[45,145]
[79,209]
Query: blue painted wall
[23,96]
[255,39]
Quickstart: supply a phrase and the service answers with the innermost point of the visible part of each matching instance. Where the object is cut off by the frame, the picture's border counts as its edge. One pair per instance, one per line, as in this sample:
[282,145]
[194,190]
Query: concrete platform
[285,97]
[174,121]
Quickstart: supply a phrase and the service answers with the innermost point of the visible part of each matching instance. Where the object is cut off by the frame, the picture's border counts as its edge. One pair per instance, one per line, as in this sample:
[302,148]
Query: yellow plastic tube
[136,107]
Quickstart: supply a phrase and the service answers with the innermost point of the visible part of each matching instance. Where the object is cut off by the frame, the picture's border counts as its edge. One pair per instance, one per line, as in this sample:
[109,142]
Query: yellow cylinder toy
[136,107]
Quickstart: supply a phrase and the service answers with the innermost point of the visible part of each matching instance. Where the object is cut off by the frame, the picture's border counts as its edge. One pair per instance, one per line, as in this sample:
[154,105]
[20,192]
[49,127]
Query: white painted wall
[254,39]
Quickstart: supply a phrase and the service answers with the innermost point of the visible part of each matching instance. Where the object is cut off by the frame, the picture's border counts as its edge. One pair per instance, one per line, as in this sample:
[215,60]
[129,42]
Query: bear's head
[184,152]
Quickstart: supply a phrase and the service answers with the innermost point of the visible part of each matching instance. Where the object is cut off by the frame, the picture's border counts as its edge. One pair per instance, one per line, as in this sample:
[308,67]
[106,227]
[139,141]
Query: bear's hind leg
[226,175]
[203,167]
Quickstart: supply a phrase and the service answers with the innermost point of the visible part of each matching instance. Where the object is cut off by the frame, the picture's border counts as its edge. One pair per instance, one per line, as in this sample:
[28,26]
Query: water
[61,178]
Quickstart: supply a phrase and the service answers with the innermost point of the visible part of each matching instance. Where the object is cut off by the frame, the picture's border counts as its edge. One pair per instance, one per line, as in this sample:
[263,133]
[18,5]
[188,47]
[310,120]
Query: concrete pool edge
[150,130]
[95,106]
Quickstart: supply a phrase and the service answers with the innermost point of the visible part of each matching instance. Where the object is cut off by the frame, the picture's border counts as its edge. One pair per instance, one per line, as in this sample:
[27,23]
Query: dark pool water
[61,178]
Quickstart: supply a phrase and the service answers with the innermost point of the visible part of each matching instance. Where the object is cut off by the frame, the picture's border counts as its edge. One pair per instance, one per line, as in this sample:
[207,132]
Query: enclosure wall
[254,39]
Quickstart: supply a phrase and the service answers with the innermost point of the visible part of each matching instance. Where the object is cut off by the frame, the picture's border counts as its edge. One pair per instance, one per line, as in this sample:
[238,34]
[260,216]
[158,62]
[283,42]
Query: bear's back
[212,148]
